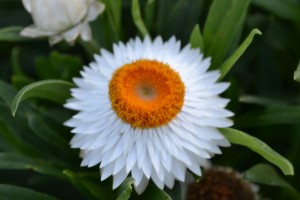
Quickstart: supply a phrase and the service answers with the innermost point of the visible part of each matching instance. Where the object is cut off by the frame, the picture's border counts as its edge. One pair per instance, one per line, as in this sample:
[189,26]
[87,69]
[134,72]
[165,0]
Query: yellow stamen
[146,93]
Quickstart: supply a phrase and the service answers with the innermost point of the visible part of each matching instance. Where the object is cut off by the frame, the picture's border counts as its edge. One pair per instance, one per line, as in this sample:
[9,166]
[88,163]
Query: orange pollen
[146,93]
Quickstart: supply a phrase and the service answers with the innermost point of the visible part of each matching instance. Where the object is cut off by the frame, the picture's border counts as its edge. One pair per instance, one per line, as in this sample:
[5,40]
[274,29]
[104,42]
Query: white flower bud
[61,19]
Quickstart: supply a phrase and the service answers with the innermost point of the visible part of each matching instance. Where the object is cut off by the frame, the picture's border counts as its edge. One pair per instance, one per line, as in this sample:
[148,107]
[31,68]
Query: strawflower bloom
[149,109]
[61,19]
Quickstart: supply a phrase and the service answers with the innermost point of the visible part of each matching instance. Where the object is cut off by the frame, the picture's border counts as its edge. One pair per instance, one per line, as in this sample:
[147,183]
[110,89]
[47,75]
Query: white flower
[61,19]
[149,109]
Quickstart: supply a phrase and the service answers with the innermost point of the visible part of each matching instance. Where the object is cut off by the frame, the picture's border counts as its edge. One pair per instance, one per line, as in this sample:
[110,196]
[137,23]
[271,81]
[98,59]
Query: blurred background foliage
[34,151]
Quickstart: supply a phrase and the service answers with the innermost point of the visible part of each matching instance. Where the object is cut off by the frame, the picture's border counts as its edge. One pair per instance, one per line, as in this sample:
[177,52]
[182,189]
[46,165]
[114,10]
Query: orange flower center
[146,93]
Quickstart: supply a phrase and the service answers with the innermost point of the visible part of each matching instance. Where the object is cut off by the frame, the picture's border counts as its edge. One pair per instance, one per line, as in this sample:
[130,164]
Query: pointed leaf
[256,145]
[11,34]
[227,65]
[7,92]
[150,14]
[266,174]
[153,192]
[137,18]
[126,189]
[54,90]
[270,115]
[12,192]
[90,188]
[46,133]
[222,26]
[196,39]
[16,161]
[286,9]
[113,10]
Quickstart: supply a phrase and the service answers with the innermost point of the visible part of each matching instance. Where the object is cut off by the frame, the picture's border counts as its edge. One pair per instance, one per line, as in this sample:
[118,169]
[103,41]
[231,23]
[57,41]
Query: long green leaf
[153,192]
[150,14]
[91,189]
[222,26]
[256,145]
[11,192]
[15,161]
[137,18]
[286,9]
[46,133]
[113,10]
[227,65]
[126,189]
[11,34]
[196,39]
[54,90]
[266,174]
[270,115]
[7,92]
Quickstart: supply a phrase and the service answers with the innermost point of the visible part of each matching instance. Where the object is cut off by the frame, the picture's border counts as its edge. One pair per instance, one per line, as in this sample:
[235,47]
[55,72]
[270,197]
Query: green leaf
[222,26]
[113,10]
[270,115]
[46,133]
[15,161]
[137,18]
[150,14]
[126,189]
[7,92]
[297,73]
[15,61]
[54,90]
[196,39]
[20,81]
[286,9]
[93,190]
[153,192]
[10,192]
[259,100]
[256,145]
[227,65]
[11,141]
[58,66]
[11,34]
[266,174]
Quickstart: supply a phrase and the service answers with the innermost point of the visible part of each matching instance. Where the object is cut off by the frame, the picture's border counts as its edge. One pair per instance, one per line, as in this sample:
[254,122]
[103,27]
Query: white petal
[178,169]
[140,188]
[157,181]
[137,174]
[72,34]
[131,159]
[33,31]
[119,178]
[27,5]
[86,32]
[95,9]
[106,171]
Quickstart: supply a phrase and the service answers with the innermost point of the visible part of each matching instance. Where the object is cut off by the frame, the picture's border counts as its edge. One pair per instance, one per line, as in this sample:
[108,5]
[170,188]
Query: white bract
[163,152]
[61,19]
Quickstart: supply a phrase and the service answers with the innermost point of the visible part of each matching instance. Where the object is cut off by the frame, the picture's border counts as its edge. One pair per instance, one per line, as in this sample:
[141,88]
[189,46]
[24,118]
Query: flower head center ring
[146,93]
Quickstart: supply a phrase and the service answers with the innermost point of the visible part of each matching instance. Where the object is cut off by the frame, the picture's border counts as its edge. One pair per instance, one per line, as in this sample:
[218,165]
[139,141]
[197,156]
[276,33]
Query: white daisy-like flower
[149,109]
[61,19]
